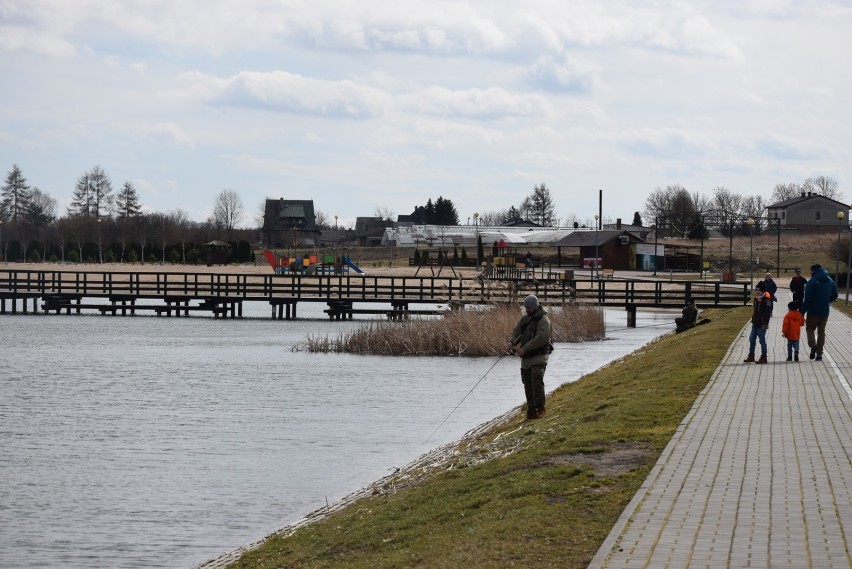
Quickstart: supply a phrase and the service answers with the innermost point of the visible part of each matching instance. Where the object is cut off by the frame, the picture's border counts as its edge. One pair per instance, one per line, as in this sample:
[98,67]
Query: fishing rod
[468,393]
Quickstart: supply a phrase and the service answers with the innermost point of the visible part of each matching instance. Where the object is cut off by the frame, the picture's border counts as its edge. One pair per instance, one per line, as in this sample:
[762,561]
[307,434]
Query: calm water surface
[164,442]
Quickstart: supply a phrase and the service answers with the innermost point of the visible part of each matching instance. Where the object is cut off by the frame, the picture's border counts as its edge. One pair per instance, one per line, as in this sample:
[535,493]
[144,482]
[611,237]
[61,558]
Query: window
[818,215]
[784,215]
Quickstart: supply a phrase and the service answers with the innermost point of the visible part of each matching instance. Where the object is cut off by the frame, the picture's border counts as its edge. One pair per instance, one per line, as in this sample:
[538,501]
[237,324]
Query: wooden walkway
[223,295]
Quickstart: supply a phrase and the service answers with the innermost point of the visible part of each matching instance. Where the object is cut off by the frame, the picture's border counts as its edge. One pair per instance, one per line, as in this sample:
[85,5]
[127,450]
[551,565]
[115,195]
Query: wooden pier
[223,295]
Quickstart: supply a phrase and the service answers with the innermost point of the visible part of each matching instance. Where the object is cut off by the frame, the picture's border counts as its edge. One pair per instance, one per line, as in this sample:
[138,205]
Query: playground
[317,264]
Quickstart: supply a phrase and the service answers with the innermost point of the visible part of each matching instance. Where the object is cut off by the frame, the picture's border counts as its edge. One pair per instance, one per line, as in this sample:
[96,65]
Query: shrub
[464,333]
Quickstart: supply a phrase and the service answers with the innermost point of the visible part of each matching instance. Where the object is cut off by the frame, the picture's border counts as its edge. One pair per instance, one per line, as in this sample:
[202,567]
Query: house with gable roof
[809,213]
[290,223]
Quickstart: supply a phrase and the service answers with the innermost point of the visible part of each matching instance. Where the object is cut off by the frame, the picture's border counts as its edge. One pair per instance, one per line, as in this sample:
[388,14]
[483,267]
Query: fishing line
[643,326]
[465,397]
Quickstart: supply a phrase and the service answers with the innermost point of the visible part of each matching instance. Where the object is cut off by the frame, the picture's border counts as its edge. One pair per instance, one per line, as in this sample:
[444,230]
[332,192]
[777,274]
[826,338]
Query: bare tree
[754,207]
[785,191]
[321,220]
[178,224]
[228,212]
[727,210]
[384,213]
[824,186]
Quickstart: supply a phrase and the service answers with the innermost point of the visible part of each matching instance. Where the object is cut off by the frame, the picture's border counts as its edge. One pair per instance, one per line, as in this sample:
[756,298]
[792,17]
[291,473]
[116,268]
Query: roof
[592,238]
[799,199]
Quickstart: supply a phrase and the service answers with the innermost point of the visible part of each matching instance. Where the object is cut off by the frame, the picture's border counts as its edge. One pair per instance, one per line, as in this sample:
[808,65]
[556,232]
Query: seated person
[687,319]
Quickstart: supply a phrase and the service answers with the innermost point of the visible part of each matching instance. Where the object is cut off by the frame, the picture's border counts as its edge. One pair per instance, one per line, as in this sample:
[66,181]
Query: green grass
[539,493]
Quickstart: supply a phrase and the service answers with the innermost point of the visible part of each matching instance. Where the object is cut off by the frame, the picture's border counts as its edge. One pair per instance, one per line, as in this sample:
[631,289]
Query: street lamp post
[849,259]
[335,221]
[840,216]
[100,248]
[751,250]
[476,229]
[595,262]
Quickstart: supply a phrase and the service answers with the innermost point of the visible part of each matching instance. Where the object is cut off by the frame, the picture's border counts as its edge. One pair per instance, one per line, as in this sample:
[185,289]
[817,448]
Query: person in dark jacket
[797,287]
[820,292]
[760,315]
[530,339]
[770,286]
[687,318]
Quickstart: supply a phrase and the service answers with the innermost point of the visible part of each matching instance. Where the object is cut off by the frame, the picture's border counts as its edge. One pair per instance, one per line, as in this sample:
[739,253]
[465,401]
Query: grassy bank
[539,493]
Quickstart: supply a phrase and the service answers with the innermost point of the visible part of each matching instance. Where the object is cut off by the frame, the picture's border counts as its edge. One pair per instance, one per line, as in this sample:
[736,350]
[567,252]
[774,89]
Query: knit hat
[531,301]
[815,267]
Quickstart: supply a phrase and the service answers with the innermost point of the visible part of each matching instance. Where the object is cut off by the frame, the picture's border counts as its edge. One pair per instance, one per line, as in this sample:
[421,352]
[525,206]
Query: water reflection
[157,442]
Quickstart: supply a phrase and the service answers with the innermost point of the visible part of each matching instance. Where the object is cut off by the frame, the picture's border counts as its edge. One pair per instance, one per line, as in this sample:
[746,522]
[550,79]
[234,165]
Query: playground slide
[353,266]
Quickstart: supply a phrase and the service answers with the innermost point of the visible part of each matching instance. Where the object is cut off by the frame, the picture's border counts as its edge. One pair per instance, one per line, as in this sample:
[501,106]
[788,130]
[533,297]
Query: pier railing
[218,288]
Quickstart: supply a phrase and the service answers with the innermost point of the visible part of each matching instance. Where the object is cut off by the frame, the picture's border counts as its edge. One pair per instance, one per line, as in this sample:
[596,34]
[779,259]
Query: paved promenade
[759,472]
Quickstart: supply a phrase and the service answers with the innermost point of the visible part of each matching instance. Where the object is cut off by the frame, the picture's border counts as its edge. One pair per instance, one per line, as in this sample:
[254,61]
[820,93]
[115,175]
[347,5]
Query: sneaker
[813,353]
[796,356]
[819,357]
[789,358]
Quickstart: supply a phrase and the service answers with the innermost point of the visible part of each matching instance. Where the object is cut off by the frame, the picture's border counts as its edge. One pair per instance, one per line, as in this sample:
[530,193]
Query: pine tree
[92,194]
[538,206]
[127,202]
[81,199]
[16,195]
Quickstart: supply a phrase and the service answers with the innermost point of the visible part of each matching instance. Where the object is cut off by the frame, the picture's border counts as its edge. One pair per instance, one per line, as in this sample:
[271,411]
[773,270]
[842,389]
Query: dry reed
[465,333]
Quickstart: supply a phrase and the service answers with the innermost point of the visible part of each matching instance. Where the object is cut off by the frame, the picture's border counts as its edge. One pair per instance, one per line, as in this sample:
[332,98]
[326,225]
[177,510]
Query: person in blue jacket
[820,292]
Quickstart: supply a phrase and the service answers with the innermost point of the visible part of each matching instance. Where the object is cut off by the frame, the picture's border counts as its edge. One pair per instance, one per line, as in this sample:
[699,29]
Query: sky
[368,105]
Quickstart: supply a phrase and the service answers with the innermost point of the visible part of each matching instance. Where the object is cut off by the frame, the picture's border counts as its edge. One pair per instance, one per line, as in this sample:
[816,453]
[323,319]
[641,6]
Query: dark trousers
[816,324]
[533,378]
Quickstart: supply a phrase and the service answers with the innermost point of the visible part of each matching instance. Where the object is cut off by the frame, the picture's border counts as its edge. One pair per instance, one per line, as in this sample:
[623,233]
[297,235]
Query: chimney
[618,223]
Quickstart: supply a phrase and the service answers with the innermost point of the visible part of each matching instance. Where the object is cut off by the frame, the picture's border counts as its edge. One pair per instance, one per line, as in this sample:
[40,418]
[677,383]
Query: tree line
[103,225]
[679,213]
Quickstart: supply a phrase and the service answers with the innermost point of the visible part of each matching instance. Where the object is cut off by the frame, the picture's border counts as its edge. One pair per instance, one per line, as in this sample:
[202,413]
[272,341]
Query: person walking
[530,339]
[820,292]
[770,286]
[797,286]
[791,329]
[760,315]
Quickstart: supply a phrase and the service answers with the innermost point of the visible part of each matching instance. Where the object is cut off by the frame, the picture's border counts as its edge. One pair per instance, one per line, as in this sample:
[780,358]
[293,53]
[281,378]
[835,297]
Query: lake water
[164,442]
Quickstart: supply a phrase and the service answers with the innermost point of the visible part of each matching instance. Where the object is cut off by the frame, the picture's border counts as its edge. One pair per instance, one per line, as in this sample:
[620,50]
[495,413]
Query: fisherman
[530,339]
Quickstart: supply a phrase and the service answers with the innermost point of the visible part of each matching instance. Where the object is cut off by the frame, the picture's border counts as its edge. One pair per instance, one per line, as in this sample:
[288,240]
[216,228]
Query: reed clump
[464,333]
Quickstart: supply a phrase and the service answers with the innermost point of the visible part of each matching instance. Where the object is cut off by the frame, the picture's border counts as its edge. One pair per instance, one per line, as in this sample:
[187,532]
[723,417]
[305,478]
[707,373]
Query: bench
[607,273]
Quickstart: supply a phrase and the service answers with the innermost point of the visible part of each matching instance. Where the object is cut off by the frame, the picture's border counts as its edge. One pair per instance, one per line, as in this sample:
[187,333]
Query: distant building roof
[804,198]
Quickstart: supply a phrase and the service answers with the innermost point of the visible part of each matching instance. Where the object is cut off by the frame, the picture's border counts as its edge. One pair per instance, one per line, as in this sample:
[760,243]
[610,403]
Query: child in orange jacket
[792,330]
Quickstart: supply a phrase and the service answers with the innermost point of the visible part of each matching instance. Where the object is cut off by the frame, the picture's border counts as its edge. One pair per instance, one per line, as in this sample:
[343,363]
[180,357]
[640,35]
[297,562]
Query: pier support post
[631,316]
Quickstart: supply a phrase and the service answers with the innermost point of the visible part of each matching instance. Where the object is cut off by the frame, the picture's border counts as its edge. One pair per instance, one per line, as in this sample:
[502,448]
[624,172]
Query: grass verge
[524,494]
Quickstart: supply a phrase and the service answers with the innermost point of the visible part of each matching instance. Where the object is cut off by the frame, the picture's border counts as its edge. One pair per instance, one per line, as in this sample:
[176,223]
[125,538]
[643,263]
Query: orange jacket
[792,326]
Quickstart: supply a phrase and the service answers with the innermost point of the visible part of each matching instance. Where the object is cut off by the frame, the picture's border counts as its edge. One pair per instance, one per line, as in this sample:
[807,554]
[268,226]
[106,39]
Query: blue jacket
[819,293]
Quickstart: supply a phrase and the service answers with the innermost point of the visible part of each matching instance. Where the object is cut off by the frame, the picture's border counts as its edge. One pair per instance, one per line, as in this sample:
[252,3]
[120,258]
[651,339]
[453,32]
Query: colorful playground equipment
[330,263]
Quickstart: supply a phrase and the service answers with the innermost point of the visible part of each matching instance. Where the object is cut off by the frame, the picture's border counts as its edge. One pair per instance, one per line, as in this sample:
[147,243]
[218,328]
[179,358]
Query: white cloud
[169,132]
[13,39]
[787,148]
[491,102]
[286,92]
